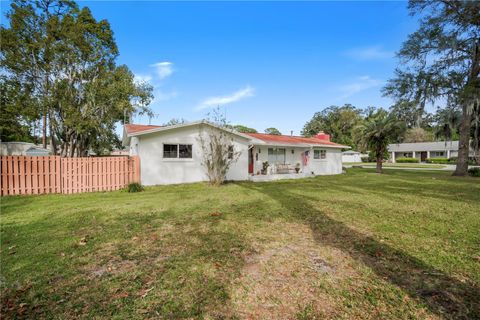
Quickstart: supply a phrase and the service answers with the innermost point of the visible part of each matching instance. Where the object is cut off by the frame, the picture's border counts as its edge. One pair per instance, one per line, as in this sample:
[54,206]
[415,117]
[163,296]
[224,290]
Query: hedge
[439,160]
[452,160]
[474,172]
[407,160]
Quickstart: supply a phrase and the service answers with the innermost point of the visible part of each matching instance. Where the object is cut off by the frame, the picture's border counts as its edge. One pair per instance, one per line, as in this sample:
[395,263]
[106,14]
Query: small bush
[365,159]
[474,172]
[134,187]
[453,160]
[438,160]
[407,160]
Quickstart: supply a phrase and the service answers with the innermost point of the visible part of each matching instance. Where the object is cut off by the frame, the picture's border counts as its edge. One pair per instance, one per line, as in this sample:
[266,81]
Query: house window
[437,153]
[170,150]
[276,155]
[319,154]
[230,152]
[408,154]
[185,151]
[174,151]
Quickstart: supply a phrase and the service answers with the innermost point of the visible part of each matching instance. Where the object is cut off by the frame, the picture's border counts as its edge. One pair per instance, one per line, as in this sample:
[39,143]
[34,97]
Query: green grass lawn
[402,245]
[398,165]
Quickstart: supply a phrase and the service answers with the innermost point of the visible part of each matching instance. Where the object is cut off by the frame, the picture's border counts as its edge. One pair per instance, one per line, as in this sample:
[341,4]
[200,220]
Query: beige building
[22,149]
[424,150]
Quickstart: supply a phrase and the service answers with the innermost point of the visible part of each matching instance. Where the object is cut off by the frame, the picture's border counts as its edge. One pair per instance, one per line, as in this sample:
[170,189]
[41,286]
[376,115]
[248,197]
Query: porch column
[413,154]
[393,157]
[448,154]
[428,154]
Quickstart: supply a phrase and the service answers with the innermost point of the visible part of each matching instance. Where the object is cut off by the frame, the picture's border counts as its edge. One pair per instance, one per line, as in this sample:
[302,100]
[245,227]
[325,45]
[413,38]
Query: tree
[418,135]
[273,131]
[15,125]
[339,122]
[378,131]
[447,123]
[475,143]
[174,121]
[243,129]
[441,60]
[218,150]
[413,116]
[64,60]
[28,48]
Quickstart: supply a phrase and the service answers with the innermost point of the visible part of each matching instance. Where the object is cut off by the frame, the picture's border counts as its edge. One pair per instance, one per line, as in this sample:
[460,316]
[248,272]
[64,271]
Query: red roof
[132,128]
[271,138]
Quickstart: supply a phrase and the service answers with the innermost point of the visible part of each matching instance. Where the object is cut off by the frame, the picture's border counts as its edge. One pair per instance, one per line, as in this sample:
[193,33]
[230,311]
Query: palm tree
[378,131]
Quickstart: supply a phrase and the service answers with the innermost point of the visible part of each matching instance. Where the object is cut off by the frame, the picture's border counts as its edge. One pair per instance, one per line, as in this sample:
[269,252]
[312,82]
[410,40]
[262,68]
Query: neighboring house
[120,152]
[22,149]
[173,154]
[352,156]
[424,150]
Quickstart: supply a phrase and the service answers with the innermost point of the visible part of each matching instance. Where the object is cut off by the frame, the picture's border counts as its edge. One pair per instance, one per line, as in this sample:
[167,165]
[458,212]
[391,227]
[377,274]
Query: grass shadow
[440,293]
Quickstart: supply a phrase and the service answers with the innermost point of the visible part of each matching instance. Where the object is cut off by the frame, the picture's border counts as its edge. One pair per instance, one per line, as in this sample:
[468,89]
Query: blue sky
[266,64]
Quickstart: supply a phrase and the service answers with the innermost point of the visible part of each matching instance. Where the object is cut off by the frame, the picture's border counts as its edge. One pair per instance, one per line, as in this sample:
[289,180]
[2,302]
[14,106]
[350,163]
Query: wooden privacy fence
[53,174]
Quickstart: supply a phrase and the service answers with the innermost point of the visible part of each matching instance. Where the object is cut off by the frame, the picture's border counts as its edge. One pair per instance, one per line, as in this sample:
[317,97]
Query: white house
[352,156]
[173,154]
[425,150]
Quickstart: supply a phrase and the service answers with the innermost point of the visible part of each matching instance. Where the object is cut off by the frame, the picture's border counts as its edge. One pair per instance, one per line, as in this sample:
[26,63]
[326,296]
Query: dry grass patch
[286,275]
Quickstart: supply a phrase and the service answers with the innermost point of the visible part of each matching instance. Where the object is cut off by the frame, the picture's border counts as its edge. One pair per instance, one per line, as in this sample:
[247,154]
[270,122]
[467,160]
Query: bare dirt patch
[287,275]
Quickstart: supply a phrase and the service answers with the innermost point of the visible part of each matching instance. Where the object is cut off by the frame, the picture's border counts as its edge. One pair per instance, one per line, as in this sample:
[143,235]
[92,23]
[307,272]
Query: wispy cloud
[155,77]
[360,84]
[369,53]
[243,93]
[143,78]
[163,69]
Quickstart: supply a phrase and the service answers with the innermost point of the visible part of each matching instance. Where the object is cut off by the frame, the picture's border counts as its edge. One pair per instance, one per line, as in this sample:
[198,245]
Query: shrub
[453,160]
[407,160]
[365,159]
[474,172]
[439,160]
[134,187]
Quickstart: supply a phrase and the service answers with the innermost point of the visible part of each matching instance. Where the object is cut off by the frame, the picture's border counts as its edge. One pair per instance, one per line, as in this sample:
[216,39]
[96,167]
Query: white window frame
[177,158]
[322,154]
[276,155]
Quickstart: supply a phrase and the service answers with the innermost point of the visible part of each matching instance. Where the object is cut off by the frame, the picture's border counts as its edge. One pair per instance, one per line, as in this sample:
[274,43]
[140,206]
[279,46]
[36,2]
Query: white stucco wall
[351,157]
[157,170]
[331,165]
[290,158]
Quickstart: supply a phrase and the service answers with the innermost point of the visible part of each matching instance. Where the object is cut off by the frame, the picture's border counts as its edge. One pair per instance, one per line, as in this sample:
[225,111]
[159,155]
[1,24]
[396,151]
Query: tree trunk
[53,142]
[476,145]
[467,115]
[463,143]
[379,163]
[44,131]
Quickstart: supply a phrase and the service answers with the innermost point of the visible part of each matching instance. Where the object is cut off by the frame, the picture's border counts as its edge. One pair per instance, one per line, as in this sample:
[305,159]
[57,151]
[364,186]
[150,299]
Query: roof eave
[183,125]
[298,145]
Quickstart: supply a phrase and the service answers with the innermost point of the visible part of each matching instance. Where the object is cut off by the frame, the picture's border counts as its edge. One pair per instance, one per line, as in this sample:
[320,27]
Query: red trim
[291,139]
[133,128]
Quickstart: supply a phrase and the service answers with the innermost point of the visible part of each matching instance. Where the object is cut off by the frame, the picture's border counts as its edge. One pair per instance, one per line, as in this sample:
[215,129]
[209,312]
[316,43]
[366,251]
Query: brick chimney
[323,136]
